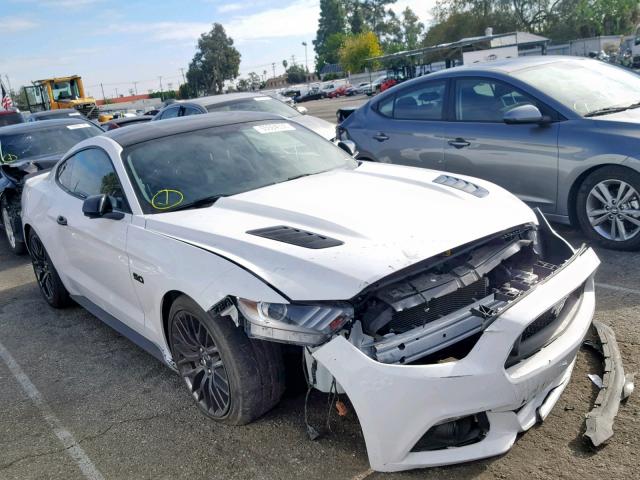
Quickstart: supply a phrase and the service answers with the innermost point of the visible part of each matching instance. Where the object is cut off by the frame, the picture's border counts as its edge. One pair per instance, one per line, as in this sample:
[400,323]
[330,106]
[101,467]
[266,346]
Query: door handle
[381,137]
[459,143]
[61,220]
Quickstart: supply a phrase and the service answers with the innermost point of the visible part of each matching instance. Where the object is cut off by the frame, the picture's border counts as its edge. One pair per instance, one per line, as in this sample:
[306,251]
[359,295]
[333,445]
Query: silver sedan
[562,133]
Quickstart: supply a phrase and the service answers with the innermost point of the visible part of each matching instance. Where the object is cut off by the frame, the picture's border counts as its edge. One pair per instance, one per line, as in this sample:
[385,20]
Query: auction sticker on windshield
[274,127]
[261,99]
[78,125]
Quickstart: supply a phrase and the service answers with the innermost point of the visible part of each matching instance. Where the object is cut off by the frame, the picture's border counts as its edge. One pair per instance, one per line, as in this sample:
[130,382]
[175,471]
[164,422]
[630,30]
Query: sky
[119,42]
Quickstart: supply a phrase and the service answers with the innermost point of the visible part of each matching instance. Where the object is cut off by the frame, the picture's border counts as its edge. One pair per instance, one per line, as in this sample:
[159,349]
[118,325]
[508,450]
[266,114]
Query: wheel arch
[575,187]
[165,307]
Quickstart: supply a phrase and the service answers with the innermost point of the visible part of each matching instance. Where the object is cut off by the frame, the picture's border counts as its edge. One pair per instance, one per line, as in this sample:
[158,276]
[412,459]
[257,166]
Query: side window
[423,103]
[186,111]
[64,173]
[90,172]
[486,100]
[170,113]
[385,107]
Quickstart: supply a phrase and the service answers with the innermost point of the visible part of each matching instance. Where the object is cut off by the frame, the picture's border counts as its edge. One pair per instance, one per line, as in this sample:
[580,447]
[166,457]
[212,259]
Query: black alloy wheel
[200,364]
[41,267]
[51,287]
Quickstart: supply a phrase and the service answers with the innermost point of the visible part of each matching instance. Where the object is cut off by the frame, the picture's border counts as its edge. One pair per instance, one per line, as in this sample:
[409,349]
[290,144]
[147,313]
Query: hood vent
[463,185]
[295,236]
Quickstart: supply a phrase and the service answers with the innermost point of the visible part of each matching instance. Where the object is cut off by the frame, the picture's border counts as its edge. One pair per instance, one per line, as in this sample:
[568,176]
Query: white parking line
[617,288]
[66,438]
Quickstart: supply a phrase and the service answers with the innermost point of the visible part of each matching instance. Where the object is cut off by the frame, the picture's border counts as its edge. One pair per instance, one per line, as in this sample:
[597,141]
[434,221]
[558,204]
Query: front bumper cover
[397,404]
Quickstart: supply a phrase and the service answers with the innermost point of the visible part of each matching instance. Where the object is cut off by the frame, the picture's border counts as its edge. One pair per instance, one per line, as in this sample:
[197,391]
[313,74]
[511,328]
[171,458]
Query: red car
[338,92]
[387,84]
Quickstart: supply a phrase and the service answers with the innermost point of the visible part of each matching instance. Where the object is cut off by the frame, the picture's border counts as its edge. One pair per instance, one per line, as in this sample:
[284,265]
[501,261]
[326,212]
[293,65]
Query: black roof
[57,113]
[164,128]
[35,126]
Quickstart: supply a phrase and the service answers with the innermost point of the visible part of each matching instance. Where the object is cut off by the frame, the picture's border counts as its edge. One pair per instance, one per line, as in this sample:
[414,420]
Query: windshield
[256,104]
[176,171]
[584,87]
[44,141]
[65,90]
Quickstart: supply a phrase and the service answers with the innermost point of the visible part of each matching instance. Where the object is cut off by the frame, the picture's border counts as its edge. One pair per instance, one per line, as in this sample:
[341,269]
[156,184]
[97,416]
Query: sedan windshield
[44,141]
[588,88]
[256,104]
[195,168]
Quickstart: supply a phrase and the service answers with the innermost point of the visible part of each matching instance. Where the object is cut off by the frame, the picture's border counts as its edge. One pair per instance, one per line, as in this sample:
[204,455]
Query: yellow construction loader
[58,93]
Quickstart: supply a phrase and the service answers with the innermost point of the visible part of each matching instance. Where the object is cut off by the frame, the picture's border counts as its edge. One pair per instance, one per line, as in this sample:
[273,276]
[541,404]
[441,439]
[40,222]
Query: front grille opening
[454,433]
[452,353]
[439,307]
[543,330]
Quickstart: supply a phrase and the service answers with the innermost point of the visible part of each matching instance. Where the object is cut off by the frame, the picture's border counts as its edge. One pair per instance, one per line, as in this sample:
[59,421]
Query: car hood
[321,127]
[387,216]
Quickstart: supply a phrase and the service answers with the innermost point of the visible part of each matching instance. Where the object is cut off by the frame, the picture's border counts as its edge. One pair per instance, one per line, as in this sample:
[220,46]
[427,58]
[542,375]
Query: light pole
[306,63]
[161,95]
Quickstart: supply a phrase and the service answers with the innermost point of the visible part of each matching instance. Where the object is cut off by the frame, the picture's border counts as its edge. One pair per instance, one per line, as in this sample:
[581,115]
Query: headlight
[293,323]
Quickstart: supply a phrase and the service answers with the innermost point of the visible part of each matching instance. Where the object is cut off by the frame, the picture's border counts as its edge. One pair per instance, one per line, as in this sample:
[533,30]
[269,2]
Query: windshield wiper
[607,110]
[203,202]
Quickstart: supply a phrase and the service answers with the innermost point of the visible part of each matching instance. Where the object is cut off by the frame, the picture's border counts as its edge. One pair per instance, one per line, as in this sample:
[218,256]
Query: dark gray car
[562,133]
[245,101]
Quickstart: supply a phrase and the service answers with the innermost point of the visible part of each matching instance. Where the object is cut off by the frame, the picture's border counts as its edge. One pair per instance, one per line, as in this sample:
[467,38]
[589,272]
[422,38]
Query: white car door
[94,249]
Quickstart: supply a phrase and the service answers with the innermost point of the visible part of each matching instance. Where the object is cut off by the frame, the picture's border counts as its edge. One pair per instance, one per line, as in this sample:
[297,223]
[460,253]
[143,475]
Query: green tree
[254,81]
[296,74]
[242,85]
[356,49]
[412,29]
[331,22]
[379,19]
[216,60]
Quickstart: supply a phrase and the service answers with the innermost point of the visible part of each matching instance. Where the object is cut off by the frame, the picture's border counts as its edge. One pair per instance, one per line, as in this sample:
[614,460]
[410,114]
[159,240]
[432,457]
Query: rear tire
[232,378]
[51,287]
[608,207]
[9,222]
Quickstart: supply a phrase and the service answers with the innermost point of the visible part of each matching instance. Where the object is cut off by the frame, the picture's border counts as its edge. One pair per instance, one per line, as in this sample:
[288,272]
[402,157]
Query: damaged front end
[448,360]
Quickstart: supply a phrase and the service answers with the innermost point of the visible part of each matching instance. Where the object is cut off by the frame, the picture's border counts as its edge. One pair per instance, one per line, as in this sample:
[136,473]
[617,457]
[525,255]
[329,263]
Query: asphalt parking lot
[80,401]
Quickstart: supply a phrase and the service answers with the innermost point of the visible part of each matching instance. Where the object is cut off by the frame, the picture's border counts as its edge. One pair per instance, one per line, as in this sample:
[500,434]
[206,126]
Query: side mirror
[301,109]
[349,147]
[524,114]
[100,206]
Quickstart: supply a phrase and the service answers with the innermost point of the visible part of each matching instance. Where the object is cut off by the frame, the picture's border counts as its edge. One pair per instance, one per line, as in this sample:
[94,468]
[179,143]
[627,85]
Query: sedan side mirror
[524,114]
[100,206]
[301,109]
[349,147]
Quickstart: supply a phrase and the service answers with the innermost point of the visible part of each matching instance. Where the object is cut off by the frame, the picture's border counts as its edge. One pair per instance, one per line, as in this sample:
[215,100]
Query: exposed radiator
[439,307]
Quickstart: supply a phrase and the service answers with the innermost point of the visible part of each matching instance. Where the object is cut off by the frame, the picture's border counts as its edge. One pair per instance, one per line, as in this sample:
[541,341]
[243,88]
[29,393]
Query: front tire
[232,378]
[51,287]
[9,223]
[608,207]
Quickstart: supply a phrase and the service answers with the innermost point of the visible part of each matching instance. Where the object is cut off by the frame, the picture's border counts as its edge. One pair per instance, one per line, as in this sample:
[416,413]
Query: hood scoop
[463,185]
[295,236]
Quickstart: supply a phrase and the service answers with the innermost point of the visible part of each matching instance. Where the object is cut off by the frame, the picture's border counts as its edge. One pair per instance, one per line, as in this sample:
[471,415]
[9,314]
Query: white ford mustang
[448,312]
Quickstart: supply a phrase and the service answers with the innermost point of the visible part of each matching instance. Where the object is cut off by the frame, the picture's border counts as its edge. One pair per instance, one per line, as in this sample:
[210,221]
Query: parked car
[559,132]
[255,102]
[213,240]
[374,87]
[126,122]
[10,117]
[363,87]
[314,93]
[27,148]
[339,91]
[51,114]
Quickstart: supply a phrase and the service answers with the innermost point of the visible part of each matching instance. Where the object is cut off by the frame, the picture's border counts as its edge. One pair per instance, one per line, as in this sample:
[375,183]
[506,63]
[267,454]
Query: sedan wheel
[16,245]
[232,378]
[613,208]
[608,207]
[51,287]
[200,364]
